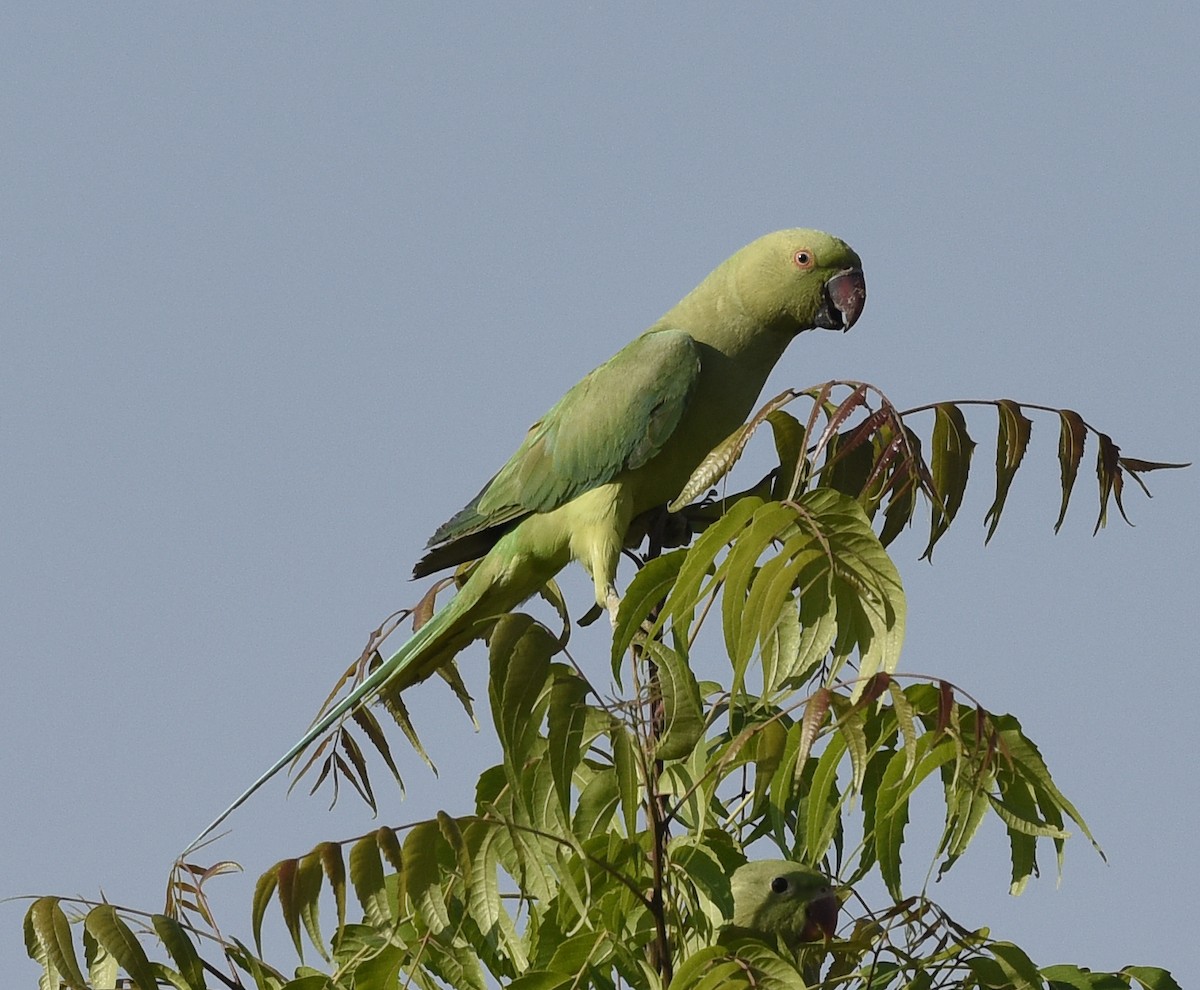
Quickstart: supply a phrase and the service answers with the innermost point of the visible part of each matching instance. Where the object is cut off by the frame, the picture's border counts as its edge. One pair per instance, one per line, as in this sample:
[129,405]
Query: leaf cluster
[600,848]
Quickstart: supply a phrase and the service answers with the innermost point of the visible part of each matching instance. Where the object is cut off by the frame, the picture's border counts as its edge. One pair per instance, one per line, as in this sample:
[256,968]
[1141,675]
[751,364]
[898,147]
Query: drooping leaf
[1012,439]
[422,875]
[366,876]
[566,720]
[52,936]
[815,711]
[181,950]
[307,889]
[101,964]
[289,903]
[645,591]
[1072,435]
[952,447]
[108,928]
[1108,474]
[1151,977]
[683,715]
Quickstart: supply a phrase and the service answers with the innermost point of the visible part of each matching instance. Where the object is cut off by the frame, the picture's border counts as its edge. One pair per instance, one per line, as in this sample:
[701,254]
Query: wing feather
[617,418]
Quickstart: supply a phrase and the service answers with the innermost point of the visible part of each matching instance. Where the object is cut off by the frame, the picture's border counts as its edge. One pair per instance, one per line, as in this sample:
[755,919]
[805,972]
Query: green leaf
[648,587]
[1011,443]
[263,889]
[870,597]
[520,650]
[101,964]
[699,561]
[891,806]
[566,720]
[1016,966]
[789,447]
[330,854]
[52,936]
[683,716]
[1062,977]
[1152,978]
[1072,435]
[309,875]
[625,764]
[106,926]
[823,813]
[951,465]
[366,876]
[181,950]
[1108,474]
[815,710]
[289,903]
[422,875]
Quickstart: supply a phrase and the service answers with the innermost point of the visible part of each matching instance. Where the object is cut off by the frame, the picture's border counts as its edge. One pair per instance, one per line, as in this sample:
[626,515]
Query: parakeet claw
[612,602]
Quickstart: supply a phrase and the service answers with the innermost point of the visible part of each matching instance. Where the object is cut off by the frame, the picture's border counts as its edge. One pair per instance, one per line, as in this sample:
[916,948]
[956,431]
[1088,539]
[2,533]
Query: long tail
[426,643]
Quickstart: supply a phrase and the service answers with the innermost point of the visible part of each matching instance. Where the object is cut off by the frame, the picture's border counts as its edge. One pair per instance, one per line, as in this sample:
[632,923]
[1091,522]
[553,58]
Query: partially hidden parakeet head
[778,897]
[799,279]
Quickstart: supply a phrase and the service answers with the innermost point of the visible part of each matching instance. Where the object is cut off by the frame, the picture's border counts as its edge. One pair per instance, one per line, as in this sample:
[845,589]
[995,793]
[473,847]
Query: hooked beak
[822,914]
[844,297]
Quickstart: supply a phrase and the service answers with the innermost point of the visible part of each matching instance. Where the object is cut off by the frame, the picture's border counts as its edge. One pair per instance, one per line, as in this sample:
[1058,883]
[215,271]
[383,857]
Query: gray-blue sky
[283,284]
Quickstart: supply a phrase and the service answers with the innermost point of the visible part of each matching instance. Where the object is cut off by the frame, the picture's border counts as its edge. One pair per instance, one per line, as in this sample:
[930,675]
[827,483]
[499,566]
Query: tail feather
[408,665]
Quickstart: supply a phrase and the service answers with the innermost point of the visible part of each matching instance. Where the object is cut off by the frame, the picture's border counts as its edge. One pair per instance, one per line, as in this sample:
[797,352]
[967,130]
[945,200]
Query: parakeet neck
[723,313]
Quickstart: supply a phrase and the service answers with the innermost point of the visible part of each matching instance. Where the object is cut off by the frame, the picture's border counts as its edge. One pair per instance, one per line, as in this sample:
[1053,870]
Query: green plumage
[622,441]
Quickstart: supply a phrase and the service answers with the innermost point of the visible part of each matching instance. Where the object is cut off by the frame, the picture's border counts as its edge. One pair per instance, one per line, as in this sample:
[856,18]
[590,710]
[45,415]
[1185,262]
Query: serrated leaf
[422,876]
[263,889]
[330,854]
[366,876]
[625,765]
[1072,435]
[815,710]
[683,715]
[951,465]
[519,652]
[1152,978]
[107,927]
[1012,440]
[891,804]
[49,925]
[850,725]
[790,444]
[289,904]
[1108,474]
[716,464]
[307,889]
[566,720]
[1017,967]
[869,595]
[181,950]
[822,814]
[101,964]
[771,522]
[647,589]
[700,558]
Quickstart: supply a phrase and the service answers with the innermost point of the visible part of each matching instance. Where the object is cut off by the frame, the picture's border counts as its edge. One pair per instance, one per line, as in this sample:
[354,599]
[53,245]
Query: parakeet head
[778,897]
[800,279]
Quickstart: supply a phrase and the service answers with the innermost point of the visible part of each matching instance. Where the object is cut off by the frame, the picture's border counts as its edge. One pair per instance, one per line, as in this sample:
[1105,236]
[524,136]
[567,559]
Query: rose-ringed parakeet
[778,898]
[622,441]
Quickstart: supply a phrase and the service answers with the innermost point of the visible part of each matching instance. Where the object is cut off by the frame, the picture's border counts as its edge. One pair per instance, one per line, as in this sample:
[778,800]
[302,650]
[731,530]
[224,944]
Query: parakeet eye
[779,885]
[804,259]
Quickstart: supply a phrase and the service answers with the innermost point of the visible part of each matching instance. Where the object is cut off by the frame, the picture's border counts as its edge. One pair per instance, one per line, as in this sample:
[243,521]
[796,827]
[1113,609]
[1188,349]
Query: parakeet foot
[612,602]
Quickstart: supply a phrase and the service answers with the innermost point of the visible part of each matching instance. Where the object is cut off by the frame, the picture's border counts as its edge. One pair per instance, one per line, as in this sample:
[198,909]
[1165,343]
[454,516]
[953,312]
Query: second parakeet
[776,897]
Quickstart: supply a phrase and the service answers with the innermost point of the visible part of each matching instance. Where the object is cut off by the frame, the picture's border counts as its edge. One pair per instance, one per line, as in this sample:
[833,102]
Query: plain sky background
[283,284]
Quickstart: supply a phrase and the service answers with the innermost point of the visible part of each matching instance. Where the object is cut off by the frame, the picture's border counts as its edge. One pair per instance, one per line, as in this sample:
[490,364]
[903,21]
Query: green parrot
[622,441]
[776,897]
